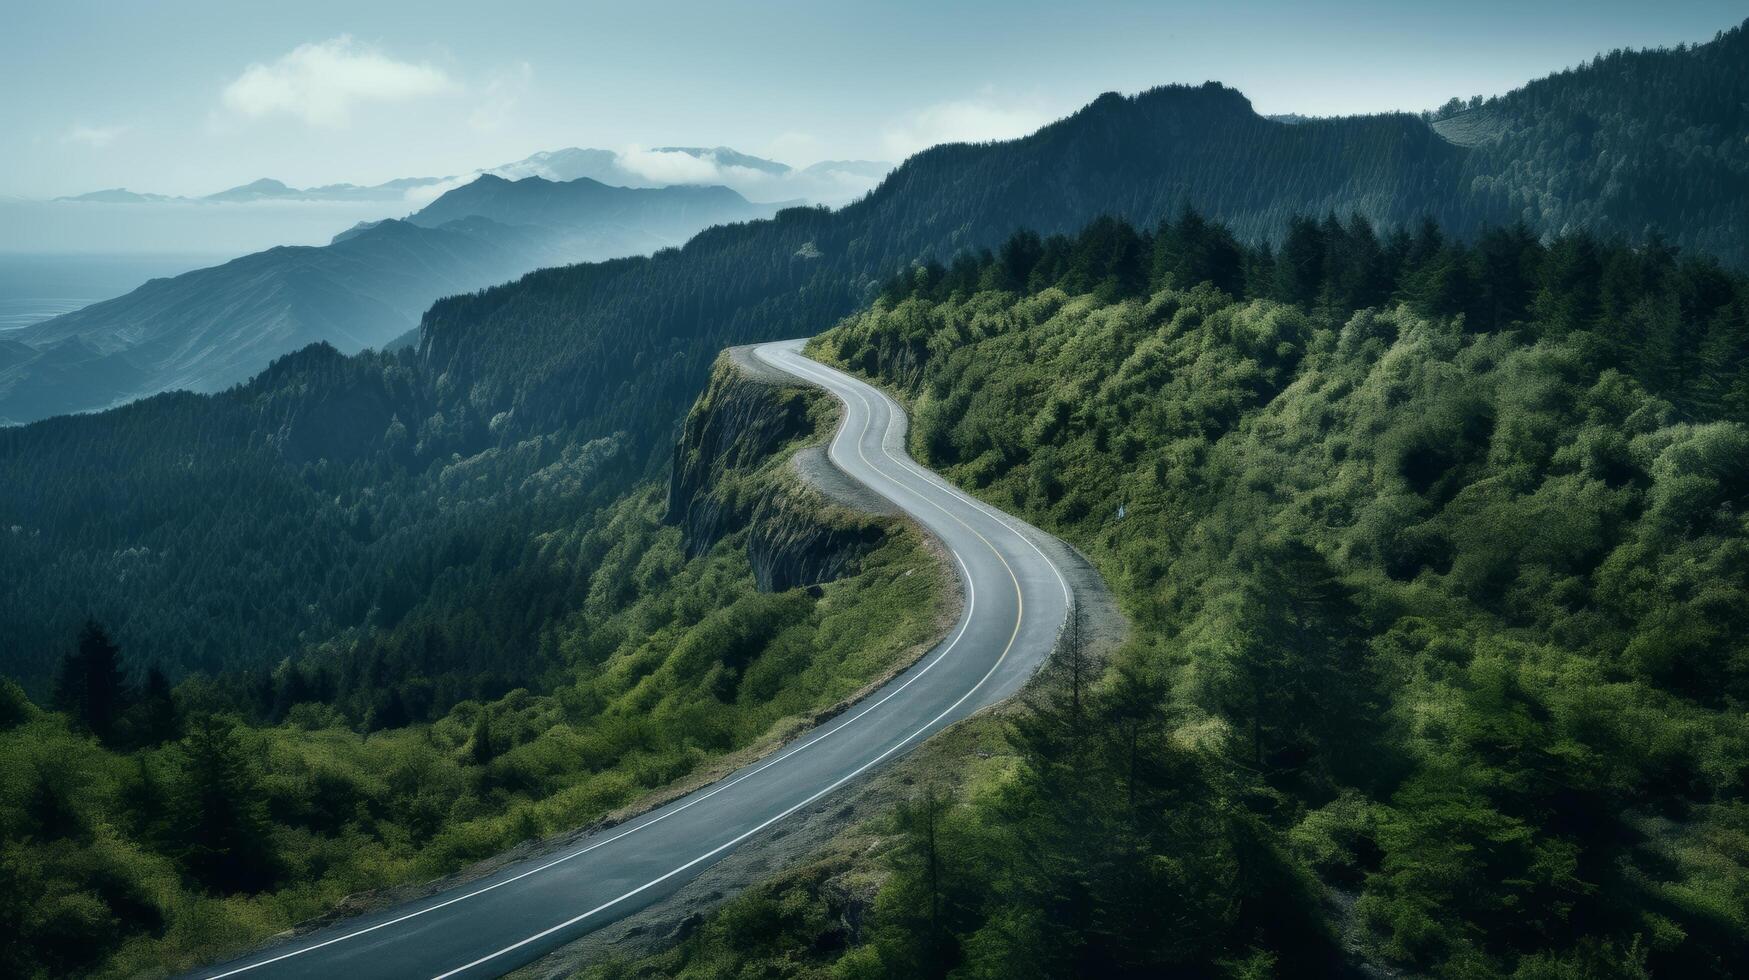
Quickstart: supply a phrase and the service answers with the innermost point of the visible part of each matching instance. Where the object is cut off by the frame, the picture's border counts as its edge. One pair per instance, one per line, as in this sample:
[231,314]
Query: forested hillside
[546,367]
[1439,600]
[145,829]
[1630,143]
[1492,478]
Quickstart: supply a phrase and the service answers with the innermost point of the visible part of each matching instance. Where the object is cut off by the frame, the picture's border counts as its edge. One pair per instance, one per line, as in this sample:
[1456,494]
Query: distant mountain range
[268,189]
[212,328]
[829,181]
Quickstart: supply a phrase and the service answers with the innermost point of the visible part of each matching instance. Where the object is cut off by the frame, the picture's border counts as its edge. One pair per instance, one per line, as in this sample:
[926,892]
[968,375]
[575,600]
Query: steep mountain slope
[1139,158]
[718,659]
[215,327]
[577,329]
[1631,143]
[608,354]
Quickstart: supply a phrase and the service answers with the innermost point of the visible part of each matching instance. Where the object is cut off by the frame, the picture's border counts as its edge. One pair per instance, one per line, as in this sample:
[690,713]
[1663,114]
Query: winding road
[1016,600]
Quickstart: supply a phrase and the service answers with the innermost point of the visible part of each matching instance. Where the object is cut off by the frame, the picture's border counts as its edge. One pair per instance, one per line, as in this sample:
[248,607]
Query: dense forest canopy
[147,829]
[1439,610]
[333,495]
[1566,153]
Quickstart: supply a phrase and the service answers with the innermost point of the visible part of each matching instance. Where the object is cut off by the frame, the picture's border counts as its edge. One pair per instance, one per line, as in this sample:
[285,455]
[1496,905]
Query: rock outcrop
[730,475]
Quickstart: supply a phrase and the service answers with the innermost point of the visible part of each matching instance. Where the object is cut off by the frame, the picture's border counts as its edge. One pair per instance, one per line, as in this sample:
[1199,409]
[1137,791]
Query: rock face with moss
[729,473]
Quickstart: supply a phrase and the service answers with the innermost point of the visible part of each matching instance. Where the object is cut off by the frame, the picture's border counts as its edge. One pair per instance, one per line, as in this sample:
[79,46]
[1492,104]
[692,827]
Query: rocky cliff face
[731,474]
[798,538]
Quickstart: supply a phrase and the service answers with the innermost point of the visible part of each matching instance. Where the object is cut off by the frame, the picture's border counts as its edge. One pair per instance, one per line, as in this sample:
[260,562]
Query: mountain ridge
[211,328]
[564,164]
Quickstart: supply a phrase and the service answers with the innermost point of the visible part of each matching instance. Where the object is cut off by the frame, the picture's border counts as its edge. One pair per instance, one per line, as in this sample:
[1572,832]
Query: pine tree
[1299,269]
[49,811]
[1508,258]
[91,688]
[15,706]
[221,820]
[156,716]
[1017,258]
[926,851]
[393,713]
[1296,676]
[482,750]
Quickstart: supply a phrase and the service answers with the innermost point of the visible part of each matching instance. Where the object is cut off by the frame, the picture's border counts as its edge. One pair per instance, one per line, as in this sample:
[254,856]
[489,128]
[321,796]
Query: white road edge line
[936,480]
[807,368]
[817,736]
[1019,617]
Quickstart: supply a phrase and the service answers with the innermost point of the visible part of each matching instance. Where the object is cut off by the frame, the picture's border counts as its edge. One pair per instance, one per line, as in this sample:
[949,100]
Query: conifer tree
[91,688]
[482,750]
[221,820]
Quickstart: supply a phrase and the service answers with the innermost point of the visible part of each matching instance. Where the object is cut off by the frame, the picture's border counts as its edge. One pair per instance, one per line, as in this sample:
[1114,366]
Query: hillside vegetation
[1439,610]
[148,829]
[333,495]
[1431,533]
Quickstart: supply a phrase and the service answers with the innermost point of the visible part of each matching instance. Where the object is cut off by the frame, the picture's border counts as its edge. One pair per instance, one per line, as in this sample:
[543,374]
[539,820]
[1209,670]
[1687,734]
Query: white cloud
[321,83]
[430,192]
[670,168]
[975,120]
[96,137]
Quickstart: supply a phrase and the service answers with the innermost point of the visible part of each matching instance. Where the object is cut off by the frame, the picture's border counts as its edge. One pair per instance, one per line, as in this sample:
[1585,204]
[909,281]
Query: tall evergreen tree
[1296,676]
[482,749]
[221,819]
[1299,269]
[91,687]
[155,716]
[1508,258]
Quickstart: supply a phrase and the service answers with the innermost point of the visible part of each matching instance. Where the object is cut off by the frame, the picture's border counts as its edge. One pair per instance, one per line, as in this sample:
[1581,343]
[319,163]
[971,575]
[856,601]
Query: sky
[190,97]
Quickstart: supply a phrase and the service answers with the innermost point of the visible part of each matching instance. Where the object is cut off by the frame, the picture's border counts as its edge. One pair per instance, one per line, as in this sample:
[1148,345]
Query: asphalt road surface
[1016,600]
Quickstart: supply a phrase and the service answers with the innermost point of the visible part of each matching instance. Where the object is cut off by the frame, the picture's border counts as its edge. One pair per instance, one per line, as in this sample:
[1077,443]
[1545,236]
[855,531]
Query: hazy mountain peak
[828,181]
[255,190]
[117,195]
[724,156]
